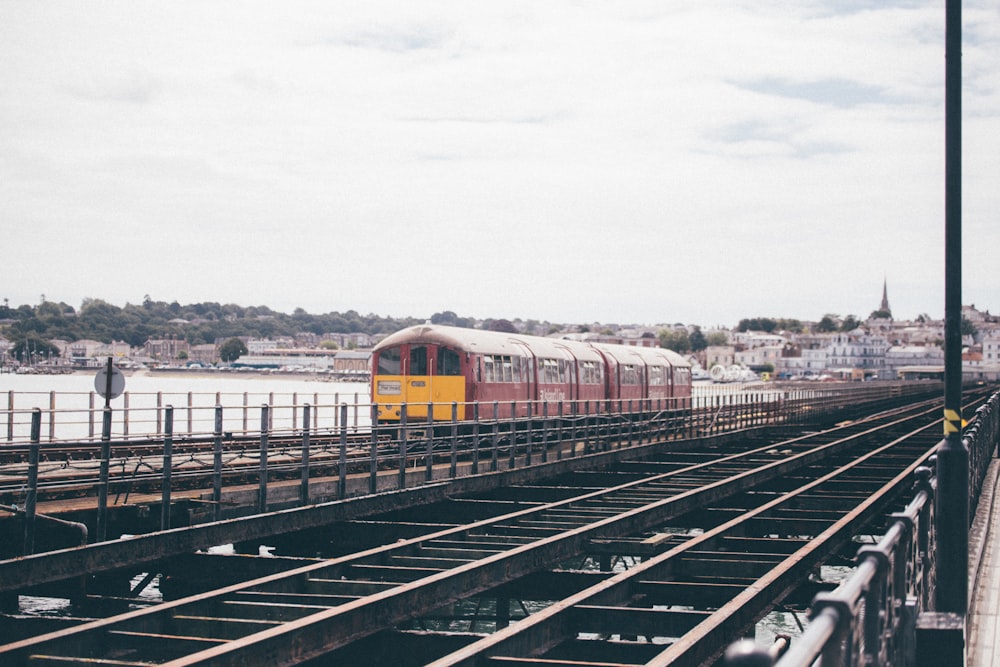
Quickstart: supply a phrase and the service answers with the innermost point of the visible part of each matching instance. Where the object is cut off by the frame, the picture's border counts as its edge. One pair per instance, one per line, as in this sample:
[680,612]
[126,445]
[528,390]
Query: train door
[434,375]
[529,389]
[417,367]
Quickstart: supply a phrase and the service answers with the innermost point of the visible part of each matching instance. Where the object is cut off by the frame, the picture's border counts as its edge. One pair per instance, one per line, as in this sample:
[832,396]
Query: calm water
[67,402]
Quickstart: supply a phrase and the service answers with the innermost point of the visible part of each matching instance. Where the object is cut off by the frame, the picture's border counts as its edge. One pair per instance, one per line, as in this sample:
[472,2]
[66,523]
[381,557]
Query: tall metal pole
[952,498]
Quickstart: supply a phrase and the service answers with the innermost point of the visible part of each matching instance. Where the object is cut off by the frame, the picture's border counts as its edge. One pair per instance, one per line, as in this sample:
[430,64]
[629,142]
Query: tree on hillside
[32,349]
[449,318]
[505,326]
[828,324]
[850,323]
[232,349]
[698,340]
[675,339]
[968,328]
[765,324]
[717,338]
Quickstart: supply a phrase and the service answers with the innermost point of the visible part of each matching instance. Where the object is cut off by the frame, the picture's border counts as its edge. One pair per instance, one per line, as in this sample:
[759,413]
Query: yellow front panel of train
[417,391]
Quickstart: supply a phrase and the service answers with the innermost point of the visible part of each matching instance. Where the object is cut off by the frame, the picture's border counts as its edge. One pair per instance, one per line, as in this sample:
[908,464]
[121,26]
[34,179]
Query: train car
[512,374]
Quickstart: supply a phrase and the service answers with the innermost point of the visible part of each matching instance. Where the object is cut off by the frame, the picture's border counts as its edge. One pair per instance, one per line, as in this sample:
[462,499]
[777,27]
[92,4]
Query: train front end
[418,368]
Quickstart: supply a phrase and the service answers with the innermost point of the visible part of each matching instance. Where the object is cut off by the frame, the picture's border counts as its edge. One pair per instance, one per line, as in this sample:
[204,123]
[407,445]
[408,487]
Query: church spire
[885,298]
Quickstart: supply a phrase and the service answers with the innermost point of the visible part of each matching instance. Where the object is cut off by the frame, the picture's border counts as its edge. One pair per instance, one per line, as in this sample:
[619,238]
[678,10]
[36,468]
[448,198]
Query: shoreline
[179,373]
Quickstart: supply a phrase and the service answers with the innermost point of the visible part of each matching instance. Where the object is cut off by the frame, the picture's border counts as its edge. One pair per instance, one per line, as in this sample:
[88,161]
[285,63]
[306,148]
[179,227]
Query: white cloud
[565,161]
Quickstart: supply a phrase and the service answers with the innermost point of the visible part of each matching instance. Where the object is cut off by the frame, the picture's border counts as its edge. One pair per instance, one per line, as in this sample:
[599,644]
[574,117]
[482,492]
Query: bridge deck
[984,581]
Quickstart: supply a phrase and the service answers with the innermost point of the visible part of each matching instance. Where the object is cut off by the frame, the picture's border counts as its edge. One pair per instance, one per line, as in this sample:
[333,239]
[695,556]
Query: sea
[72,406]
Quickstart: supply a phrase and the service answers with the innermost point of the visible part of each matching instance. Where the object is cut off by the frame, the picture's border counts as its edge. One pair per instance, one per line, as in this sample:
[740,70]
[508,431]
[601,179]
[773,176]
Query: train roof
[467,340]
[490,342]
[496,342]
[647,355]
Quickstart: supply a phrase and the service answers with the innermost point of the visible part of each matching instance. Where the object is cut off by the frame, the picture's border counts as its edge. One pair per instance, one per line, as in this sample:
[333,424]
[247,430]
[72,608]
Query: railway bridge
[761,526]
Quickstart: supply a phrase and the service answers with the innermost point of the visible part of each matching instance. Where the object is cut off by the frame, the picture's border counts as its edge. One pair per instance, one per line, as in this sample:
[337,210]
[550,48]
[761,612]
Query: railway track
[722,536]
[73,470]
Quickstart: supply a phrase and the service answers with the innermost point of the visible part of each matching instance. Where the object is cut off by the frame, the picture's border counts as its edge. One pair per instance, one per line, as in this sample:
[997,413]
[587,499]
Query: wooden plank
[314,599]
[260,610]
[213,627]
[63,661]
[355,587]
[633,621]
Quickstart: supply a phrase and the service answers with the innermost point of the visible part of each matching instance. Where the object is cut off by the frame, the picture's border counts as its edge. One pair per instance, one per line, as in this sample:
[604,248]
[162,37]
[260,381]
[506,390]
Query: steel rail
[102,556]
[706,640]
[321,631]
[147,548]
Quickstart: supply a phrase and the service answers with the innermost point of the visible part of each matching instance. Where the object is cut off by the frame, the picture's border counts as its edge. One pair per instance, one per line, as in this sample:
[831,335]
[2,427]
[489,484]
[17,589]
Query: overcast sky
[629,162]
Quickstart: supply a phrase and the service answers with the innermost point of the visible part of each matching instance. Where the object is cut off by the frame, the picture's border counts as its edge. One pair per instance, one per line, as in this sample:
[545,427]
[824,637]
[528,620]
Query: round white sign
[117,382]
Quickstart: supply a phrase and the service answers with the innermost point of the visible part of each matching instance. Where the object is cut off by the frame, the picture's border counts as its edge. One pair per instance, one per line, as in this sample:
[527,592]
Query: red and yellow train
[440,365]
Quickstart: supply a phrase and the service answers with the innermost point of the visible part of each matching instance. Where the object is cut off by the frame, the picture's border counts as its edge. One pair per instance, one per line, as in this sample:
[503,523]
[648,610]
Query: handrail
[871,617]
[76,416]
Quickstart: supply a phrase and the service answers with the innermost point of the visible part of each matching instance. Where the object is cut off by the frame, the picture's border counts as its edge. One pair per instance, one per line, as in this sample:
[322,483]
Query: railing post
[31,496]
[401,475]
[631,424]
[475,438]
[304,483]
[125,414]
[217,465]
[512,462]
[496,436]
[102,483]
[528,435]
[453,468]
[621,424]
[429,457]
[355,411]
[52,416]
[10,415]
[559,432]
[159,412]
[168,466]
[342,455]
[265,420]
[545,431]
[373,458]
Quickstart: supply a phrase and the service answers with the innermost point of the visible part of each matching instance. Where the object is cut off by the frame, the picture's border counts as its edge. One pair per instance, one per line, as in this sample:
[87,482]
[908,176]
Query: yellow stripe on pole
[953,422]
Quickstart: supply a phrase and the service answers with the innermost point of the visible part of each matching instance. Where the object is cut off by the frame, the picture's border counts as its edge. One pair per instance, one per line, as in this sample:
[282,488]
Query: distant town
[51,338]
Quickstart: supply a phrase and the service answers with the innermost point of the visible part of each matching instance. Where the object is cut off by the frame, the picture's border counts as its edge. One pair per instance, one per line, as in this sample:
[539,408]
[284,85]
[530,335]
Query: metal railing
[77,416]
[378,457]
[871,618]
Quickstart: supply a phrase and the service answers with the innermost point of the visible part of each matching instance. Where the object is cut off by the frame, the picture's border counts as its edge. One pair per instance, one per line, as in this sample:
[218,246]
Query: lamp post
[952,498]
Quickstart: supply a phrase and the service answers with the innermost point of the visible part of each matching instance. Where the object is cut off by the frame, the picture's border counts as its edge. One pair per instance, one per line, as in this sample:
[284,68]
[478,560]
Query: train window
[388,361]
[552,371]
[503,368]
[657,376]
[630,374]
[448,362]
[547,371]
[591,372]
[418,360]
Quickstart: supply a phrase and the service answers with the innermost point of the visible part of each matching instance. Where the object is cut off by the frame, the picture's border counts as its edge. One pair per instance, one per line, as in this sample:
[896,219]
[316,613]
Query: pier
[601,534]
